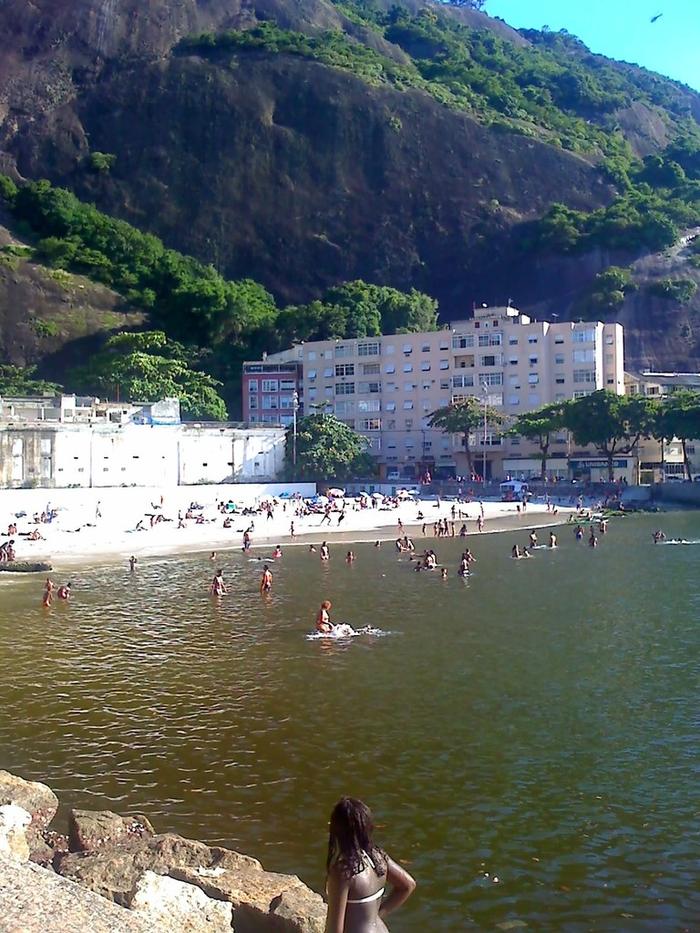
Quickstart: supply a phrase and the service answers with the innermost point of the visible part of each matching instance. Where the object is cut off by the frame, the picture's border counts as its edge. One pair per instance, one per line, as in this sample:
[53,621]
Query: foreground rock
[89,830]
[262,900]
[115,871]
[14,822]
[182,906]
[36,900]
[37,799]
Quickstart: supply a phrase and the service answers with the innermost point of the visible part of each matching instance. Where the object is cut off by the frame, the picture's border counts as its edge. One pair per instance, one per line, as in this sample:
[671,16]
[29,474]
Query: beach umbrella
[377,495]
[338,493]
[403,494]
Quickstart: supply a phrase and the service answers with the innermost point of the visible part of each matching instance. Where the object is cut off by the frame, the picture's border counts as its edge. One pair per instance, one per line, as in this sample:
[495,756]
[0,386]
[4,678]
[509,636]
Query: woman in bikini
[358,873]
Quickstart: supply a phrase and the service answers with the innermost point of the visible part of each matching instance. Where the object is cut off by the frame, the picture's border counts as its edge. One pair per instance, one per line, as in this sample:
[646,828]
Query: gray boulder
[37,799]
[89,830]
[114,870]
[183,907]
[262,900]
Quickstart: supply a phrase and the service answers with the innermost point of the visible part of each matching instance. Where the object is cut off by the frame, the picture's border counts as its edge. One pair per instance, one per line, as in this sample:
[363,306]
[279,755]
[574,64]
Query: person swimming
[323,620]
[349,557]
[277,553]
[63,592]
[443,573]
[265,581]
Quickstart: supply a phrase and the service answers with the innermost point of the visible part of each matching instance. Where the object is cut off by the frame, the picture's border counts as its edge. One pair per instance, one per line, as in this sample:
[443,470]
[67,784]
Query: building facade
[271,389]
[387,387]
[67,443]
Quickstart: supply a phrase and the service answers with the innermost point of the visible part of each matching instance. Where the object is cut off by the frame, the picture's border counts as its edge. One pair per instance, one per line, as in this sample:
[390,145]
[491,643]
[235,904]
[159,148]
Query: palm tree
[463,417]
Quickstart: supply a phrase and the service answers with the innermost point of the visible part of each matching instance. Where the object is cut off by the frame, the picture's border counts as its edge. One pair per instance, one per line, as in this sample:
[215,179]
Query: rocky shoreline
[116,874]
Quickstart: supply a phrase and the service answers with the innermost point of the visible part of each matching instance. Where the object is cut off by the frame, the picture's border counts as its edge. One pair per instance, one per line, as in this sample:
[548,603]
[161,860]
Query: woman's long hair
[350,841]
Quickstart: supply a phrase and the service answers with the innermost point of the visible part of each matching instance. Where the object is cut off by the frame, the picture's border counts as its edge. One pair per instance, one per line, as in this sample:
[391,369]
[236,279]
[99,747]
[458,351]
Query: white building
[45,443]
[387,387]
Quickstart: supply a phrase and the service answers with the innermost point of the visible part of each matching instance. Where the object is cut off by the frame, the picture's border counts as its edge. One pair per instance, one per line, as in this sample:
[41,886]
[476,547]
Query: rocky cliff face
[283,169]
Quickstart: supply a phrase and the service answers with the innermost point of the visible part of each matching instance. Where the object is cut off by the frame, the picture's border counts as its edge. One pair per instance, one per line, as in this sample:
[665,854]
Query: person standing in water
[325,553]
[64,591]
[323,620]
[552,539]
[132,563]
[48,592]
[358,872]
[218,587]
[265,581]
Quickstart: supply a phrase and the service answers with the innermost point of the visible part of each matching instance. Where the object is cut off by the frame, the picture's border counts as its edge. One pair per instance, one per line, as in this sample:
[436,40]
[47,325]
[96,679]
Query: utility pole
[485,390]
[295,409]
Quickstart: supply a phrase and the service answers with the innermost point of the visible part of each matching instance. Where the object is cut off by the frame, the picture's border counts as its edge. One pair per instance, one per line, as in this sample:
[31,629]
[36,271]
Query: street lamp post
[485,390]
[295,409]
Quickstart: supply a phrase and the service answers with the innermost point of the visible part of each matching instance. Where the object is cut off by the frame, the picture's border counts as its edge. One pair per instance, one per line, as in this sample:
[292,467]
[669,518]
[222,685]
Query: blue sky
[621,29]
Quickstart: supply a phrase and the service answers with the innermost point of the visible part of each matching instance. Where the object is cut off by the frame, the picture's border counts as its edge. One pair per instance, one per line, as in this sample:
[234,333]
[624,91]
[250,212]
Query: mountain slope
[407,148]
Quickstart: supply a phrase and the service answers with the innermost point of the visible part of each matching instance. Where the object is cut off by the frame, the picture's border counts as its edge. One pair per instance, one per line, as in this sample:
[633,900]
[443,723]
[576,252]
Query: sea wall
[117,874]
[685,493]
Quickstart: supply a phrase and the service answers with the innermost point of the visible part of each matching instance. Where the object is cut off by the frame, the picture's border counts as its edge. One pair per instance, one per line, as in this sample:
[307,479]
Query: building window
[425,367]
[345,407]
[408,367]
[425,348]
[270,385]
[513,361]
[286,401]
[460,382]
[512,341]
[584,375]
[532,360]
[407,348]
[343,349]
[609,340]
[513,399]
[495,399]
[559,379]
[581,393]
[533,399]
[371,369]
[369,405]
[270,402]
[488,361]
[559,359]
[531,339]
[559,397]
[408,404]
[391,406]
[444,364]
[558,340]
[425,405]
[368,348]
[444,383]
[490,340]
[371,424]
[345,369]
[328,372]
[389,349]
[372,388]
[583,336]
[408,423]
[444,345]
[253,401]
[584,356]
[462,341]
[514,381]
[252,385]
[409,386]
[533,379]
[426,386]
[312,355]
[345,388]
[390,368]
[311,374]
[491,379]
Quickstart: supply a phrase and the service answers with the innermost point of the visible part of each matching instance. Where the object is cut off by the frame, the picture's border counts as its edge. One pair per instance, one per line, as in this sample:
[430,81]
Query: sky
[620,29]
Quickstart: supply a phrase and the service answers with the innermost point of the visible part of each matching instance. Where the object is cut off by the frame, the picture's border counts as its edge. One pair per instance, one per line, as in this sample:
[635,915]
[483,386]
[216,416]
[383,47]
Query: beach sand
[107,518]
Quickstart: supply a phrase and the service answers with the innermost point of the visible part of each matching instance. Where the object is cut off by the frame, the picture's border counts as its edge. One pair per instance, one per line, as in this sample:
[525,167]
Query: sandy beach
[99,525]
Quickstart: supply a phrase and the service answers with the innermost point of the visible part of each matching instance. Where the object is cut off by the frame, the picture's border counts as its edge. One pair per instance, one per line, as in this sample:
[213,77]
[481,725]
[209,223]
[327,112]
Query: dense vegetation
[209,324]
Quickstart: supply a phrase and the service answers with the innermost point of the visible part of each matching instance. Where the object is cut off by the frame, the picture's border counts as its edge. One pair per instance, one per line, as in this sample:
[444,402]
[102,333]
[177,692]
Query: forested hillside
[262,158]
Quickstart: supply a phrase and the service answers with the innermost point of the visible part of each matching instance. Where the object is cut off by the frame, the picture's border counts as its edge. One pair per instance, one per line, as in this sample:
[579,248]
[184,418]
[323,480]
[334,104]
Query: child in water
[323,621]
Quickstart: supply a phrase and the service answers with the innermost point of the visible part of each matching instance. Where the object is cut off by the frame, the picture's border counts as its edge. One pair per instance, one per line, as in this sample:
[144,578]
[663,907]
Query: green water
[537,724]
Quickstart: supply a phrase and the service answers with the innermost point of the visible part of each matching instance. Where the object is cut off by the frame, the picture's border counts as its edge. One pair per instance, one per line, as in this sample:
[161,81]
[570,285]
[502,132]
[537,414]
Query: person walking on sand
[480,523]
[265,581]
[358,873]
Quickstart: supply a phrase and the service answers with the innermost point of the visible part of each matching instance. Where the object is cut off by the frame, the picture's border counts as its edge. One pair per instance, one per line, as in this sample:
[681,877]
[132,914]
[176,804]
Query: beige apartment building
[387,387]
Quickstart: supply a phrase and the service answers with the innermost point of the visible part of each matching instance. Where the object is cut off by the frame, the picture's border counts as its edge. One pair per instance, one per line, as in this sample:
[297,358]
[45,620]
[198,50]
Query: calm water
[528,740]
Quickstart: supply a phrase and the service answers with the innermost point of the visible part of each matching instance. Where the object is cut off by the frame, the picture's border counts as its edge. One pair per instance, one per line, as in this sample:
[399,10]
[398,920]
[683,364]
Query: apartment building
[387,387]
[271,389]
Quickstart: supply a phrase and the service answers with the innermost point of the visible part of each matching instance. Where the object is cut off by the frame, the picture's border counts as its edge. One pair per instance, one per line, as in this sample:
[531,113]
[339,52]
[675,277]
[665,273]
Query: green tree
[465,417]
[539,425]
[147,367]
[679,416]
[613,424]
[327,449]
[20,381]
